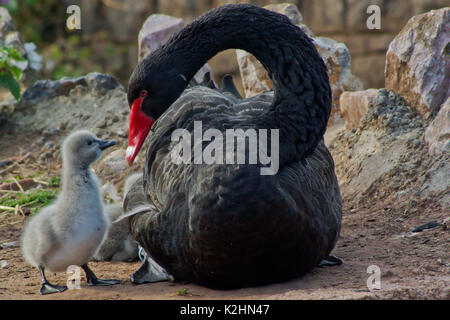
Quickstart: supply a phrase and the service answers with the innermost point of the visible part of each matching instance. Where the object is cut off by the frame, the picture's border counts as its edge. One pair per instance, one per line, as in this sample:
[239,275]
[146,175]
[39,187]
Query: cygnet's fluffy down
[70,231]
[119,244]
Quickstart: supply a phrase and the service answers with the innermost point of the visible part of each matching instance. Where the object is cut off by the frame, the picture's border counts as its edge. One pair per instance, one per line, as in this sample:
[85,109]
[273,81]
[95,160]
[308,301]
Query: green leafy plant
[33,199]
[54,182]
[183,292]
[12,65]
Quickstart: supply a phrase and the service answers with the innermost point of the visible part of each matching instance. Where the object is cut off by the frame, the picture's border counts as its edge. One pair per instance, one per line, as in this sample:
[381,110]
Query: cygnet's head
[82,148]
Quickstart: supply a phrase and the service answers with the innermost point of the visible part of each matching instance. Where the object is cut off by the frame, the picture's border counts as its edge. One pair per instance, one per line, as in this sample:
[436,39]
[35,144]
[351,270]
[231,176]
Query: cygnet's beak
[106,144]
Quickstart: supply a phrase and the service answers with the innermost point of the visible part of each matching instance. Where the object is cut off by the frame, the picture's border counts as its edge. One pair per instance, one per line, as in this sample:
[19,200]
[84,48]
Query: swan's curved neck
[302,102]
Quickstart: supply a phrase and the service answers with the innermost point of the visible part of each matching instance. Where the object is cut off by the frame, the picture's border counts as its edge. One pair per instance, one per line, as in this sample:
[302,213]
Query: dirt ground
[375,232]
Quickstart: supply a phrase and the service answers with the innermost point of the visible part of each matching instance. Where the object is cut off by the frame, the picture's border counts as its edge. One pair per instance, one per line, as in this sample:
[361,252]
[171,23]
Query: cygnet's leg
[330,260]
[47,287]
[92,280]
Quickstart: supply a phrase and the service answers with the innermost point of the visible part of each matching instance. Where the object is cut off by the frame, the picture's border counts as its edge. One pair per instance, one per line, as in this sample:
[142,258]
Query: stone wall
[345,21]
[342,20]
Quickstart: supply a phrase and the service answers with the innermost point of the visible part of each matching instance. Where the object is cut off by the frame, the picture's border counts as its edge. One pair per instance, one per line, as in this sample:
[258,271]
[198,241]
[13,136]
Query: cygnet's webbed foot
[48,288]
[330,260]
[92,280]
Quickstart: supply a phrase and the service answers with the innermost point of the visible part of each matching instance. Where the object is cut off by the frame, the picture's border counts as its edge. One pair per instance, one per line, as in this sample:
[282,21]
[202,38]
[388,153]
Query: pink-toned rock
[437,135]
[254,77]
[155,31]
[417,61]
[354,105]
[338,61]
[335,55]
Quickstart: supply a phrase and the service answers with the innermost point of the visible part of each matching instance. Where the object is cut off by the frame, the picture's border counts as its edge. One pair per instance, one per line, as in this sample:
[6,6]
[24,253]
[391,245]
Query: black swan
[226,225]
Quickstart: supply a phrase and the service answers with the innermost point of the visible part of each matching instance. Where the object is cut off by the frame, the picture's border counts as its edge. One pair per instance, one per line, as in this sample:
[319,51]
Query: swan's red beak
[140,125]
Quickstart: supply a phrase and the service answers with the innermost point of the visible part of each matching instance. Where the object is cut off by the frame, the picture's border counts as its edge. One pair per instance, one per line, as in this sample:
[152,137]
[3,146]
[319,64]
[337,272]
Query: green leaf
[15,54]
[7,81]
[17,72]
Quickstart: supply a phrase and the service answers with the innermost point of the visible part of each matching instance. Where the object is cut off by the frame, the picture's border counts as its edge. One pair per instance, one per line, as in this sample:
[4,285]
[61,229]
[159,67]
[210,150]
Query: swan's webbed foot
[92,280]
[47,287]
[149,271]
[330,260]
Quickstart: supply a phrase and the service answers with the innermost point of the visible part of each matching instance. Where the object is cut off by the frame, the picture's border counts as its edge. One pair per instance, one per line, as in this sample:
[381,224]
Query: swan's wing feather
[213,108]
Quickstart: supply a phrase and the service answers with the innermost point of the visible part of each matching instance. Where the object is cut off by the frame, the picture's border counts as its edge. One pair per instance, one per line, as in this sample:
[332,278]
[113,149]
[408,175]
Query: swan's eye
[89,143]
[143,93]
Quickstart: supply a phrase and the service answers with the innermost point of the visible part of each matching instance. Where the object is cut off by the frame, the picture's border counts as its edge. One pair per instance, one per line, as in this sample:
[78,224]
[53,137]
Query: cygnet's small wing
[39,237]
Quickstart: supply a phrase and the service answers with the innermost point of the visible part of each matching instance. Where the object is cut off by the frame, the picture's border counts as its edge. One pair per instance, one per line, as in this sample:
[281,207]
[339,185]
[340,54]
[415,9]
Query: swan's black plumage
[227,226]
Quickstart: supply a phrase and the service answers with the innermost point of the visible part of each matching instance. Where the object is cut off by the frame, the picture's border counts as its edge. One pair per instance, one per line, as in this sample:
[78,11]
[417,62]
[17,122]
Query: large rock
[115,162]
[437,134]
[335,55]
[385,154]
[96,101]
[354,105]
[417,61]
[338,61]
[254,76]
[156,30]
[385,157]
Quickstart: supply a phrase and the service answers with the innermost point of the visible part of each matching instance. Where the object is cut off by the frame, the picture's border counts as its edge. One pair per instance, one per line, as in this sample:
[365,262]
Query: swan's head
[81,148]
[153,87]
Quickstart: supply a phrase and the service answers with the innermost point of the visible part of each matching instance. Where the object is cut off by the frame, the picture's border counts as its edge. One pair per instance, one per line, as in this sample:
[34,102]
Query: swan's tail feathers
[206,79]
[129,182]
[135,201]
[138,209]
[229,86]
[208,82]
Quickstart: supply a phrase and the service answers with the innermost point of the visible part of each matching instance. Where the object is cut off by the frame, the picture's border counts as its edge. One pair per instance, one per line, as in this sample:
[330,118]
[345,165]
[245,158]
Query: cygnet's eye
[89,142]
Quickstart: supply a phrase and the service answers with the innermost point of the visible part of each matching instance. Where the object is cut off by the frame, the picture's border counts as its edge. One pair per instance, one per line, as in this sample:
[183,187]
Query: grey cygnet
[119,245]
[70,231]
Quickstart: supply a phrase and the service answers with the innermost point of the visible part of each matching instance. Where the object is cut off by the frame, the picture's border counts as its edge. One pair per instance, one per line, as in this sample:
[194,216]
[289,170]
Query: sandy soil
[375,232]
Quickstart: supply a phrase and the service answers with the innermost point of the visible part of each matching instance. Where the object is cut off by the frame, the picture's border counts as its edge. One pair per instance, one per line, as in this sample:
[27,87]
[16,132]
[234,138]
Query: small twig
[9,224]
[32,202]
[4,197]
[41,182]
[18,184]
[19,209]
[15,163]
[10,191]
[7,208]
